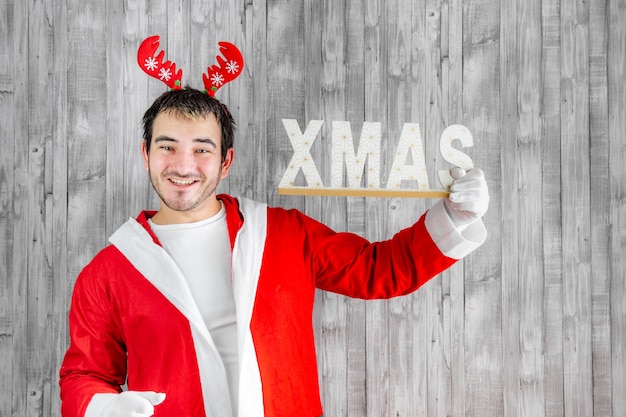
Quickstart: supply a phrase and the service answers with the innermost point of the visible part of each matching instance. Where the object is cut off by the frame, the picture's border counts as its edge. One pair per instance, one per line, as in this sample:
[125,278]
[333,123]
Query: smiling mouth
[181,182]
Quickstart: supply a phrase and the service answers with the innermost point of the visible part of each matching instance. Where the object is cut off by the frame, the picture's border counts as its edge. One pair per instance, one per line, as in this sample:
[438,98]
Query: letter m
[343,151]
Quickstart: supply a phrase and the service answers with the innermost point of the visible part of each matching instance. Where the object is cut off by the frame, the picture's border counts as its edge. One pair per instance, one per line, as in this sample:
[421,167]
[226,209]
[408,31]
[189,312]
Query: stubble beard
[184,203]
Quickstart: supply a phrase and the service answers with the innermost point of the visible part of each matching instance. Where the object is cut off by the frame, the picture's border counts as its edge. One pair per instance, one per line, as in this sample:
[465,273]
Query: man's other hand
[133,404]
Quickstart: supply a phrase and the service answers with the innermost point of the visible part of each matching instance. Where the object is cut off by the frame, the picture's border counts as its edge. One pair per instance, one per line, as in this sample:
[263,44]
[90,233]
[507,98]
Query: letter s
[452,155]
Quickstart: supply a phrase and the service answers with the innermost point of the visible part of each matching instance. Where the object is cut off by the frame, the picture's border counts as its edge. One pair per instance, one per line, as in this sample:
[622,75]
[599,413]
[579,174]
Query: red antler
[154,65]
[225,70]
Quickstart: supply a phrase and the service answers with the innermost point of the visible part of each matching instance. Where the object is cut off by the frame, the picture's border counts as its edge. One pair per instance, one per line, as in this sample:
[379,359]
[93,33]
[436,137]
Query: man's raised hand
[469,197]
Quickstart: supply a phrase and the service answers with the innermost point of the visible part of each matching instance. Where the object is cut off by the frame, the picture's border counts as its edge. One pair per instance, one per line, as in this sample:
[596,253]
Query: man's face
[185,166]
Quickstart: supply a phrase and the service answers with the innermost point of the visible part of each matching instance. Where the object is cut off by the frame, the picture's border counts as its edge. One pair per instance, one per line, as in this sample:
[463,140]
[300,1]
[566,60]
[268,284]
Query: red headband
[224,71]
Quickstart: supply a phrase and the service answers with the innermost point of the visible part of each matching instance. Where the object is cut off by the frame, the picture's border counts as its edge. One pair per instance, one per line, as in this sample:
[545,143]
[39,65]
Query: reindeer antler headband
[224,71]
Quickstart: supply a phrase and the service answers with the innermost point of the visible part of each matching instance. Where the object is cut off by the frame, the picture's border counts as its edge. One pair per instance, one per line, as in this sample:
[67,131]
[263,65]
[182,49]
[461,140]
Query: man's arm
[450,230]
[95,361]
[94,367]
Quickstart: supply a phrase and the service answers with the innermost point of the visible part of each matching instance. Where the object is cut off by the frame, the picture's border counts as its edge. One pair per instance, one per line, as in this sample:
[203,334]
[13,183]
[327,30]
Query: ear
[144,152]
[228,162]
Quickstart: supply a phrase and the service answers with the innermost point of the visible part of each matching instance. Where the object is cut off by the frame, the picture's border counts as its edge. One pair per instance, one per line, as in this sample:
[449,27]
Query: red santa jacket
[133,319]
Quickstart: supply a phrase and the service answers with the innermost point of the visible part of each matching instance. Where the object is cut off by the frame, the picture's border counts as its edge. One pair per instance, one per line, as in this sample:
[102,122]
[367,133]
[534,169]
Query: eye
[205,151]
[166,148]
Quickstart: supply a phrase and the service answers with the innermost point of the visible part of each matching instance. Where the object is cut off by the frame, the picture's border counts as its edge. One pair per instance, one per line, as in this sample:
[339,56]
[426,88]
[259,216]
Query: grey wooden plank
[510,209]
[616,13]
[485,286]
[375,104]
[430,101]
[531,278]
[335,316]
[13,125]
[551,197]
[17,360]
[356,382]
[599,211]
[56,203]
[453,279]
[577,358]
[42,165]
[116,142]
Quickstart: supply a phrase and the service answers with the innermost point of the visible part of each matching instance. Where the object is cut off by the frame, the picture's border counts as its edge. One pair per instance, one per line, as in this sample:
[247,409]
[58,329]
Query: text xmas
[343,155]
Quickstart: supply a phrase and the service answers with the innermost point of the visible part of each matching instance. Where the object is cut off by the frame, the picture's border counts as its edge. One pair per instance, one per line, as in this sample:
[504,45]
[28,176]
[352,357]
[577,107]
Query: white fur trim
[153,262]
[452,242]
[247,258]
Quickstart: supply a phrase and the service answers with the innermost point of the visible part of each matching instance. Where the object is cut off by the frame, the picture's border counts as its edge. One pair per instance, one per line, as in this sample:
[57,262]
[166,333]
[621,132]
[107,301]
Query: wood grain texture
[532,324]
[551,197]
[377,359]
[8,129]
[599,158]
[616,103]
[577,357]
[485,330]
[452,280]
[14,169]
[511,230]
[531,401]
[335,319]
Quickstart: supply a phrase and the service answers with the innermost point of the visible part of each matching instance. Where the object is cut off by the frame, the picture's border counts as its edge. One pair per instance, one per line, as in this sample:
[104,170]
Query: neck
[166,215]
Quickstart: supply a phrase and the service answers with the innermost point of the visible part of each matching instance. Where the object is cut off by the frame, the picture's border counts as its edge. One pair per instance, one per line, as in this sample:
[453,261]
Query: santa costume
[133,319]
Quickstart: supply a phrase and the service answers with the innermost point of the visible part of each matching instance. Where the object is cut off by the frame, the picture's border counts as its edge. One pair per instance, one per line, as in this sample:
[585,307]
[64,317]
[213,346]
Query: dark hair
[194,104]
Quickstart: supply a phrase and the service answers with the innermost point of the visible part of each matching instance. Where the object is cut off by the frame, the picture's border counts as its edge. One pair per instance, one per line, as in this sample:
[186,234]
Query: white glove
[469,197]
[133,404]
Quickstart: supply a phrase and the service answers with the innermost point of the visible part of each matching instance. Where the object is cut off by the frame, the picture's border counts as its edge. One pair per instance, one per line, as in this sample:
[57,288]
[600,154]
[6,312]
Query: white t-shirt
[202,252]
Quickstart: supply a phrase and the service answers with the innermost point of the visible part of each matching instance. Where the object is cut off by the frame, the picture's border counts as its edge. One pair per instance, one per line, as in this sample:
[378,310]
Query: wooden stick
[363,192]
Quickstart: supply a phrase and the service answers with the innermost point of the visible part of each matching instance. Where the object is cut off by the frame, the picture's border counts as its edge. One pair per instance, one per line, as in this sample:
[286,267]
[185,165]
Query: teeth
[181,182]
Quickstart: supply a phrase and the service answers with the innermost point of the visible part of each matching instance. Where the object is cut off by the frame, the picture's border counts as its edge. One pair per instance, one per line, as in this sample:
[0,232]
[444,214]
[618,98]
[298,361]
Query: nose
[183,163]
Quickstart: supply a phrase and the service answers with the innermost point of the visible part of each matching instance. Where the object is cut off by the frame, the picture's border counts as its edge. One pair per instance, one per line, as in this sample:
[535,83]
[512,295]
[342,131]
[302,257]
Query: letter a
[410,140]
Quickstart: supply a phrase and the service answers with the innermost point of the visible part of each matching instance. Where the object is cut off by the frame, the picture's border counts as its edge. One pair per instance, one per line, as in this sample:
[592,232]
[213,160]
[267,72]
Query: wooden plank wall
[533,324]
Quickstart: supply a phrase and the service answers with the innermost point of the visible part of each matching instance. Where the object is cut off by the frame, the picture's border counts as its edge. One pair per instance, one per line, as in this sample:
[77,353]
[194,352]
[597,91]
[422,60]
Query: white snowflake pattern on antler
[165,74]
[151,64]
[217,79]
[232,67]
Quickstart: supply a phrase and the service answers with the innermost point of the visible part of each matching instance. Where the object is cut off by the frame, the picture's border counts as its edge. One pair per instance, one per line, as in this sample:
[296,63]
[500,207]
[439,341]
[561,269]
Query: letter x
[301,143]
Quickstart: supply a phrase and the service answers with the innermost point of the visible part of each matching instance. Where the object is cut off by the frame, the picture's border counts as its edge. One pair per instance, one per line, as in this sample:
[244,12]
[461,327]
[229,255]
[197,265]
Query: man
[204,307]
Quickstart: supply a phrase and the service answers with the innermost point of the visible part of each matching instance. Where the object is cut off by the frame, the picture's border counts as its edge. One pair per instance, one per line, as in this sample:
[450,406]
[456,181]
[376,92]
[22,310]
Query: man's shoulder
[108,257]
[283,215]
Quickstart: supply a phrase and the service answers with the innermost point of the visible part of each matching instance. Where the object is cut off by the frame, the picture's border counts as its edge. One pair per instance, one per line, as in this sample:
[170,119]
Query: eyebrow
[207,141]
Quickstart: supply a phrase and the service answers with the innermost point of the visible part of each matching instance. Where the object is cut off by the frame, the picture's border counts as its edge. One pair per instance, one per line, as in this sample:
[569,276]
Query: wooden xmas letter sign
[345,160]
